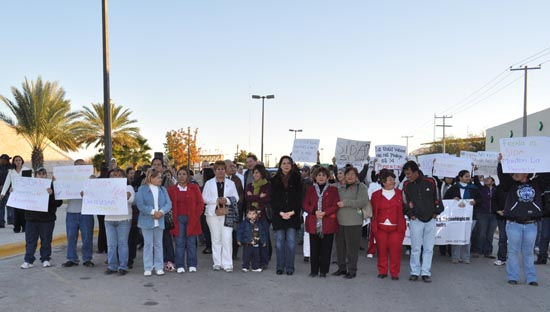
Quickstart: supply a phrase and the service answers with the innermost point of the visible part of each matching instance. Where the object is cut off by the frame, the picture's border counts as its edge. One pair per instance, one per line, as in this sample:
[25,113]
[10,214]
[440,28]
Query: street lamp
[263,97]
[295,130]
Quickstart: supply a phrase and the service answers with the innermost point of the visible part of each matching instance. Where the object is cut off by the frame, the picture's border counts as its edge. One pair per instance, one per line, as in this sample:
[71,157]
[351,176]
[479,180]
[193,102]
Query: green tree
[42,115]
[126,156]
[453,146]
[241,157]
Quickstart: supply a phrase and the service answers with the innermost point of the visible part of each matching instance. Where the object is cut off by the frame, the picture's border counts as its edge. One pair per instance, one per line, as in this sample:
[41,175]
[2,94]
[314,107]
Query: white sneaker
[216,268]
[257,270]
[245,270]
[537,250]
[27,265]
[147,273]
[46,264]
[370,256]
[228,270]
[407,252]
[192,269]
[160,272]
[499,263]
[181,270]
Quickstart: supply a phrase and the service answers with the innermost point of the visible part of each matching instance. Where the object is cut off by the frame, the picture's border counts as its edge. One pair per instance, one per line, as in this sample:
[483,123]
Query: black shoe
[207,251]
[349,275]
[16,229]
[88,264]
[413,278]
[289,273]
[534,284]
[382,275]
[279,272]
[323,275]
[395,278]
[339,273]
[2,226]
[313,275]
[109,272]
[512,282]
[306,259]
[130,265]
[426,279]
[69,264]
[122,272]
[540,261]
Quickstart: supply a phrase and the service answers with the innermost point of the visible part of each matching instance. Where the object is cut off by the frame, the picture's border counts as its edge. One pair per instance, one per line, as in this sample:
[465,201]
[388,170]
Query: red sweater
[188,203]
[330,207]
[392,209]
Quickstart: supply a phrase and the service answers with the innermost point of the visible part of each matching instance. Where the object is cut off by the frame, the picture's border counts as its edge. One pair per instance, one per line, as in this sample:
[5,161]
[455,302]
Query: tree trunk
[37,158]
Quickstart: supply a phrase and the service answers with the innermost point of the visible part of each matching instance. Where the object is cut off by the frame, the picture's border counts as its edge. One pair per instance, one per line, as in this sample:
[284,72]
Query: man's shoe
[207,251]
[339,273]
[257,270]
[279,272]
[181,270]
[109,272]
[323,275]
[382,275]
[46,264]
[160,272]
[122,272]
[413,278]
[192,269]
[245,270]
[88,264]
[534,284]
[512,282]
[426,279]
[540,261]
[349,275]
[27,265]
[289,273]
[147,273]
[313,274]
[500,262]
[69,264]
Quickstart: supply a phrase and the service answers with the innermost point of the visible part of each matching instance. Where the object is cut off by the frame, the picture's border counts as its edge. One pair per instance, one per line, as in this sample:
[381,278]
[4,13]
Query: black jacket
[523,200]
[285,200]
[424,196]
[40,216]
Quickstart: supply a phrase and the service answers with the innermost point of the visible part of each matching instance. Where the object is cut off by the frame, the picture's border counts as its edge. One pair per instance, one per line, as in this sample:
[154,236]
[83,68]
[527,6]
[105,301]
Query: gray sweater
[355,198]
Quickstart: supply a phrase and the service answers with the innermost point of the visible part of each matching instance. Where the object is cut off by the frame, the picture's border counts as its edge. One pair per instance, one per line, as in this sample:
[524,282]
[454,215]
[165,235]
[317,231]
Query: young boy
[252,235]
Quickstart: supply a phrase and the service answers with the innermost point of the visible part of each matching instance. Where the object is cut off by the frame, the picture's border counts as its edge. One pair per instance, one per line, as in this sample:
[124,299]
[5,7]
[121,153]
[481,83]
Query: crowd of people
[171,212]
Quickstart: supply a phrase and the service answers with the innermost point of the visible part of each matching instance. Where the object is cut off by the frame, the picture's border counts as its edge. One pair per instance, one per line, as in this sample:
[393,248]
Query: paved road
[480,286]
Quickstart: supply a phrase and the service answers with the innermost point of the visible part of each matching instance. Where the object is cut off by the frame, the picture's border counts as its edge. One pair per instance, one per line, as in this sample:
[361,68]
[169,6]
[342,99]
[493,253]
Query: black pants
[132,243]
[168,247]
[102,235]
[502,240]
[320,250]
[18,220]
[206,232]
[348,240]
[251,257]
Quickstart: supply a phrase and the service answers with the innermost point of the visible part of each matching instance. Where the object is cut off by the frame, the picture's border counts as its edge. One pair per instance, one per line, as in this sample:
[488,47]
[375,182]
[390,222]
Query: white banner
[105,197]
[390,157]
[351,152]
[30,194]
[486,163]
[305,150]
[426,162]
[450,166]
[69,180]
[525,155]
[453,225]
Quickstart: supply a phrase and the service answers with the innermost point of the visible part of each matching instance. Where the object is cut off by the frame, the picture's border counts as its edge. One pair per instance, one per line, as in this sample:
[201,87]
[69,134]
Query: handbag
[169,221]
[221,210]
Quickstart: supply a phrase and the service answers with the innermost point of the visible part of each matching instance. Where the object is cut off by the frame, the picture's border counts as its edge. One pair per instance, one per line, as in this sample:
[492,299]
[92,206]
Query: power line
[529,59]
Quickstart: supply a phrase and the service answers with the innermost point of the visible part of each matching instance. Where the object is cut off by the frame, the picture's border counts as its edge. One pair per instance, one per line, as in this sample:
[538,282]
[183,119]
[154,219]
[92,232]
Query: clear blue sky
[365,70]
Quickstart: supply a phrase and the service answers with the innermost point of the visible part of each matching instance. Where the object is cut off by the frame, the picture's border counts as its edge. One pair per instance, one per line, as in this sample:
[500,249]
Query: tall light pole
[525,69]
[295,131]
[263,97]
[108,149]
[407,137]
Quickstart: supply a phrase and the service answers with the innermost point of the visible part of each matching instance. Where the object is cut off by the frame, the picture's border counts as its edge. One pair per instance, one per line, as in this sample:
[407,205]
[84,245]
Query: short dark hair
[411,165]
[348,169]
[128,170]
[385,174]
[322,170]
[253,156]
[261,169]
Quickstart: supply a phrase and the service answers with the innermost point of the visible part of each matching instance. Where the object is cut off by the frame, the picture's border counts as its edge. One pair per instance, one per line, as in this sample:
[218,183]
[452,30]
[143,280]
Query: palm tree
[42,115]
[92,126]
[134,156]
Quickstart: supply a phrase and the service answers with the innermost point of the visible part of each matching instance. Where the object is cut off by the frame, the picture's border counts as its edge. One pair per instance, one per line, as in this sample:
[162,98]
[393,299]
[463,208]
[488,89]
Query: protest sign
[453,225]
[525,155]
[351,152]
[105,197]
[69,180]
[486,163]
[390,157]
[30,194]
[451,166]
[305,150]
[425,162]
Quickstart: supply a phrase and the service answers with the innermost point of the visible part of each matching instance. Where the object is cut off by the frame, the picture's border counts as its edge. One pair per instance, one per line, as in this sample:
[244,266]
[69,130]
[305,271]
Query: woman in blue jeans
[286,199]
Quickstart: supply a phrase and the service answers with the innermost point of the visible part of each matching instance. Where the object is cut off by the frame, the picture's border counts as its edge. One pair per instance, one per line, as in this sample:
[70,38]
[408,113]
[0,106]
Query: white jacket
[210,194]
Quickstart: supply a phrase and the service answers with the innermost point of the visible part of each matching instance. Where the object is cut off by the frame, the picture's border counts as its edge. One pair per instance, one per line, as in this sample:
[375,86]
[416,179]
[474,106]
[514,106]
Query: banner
[305,150]
[351,152]
[450,166]
[453,225]
[30,194]
[69,180]
[390,157]
[105,197]
[525,155]
[426,162]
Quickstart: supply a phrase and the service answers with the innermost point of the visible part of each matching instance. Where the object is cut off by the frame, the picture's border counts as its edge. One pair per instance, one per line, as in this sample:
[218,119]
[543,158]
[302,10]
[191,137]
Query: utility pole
[188,148]
[407,137]
[108,144]
[444,126]
[525,69]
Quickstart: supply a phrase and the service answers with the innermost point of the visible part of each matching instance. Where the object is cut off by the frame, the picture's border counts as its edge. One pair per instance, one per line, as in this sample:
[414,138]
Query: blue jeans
[486,226]
[152,249]
[85,224]
[117,239]
[33,231]
[185,245]
[422,235]
[521,240]
[544,238]
[502,240]
[286,247]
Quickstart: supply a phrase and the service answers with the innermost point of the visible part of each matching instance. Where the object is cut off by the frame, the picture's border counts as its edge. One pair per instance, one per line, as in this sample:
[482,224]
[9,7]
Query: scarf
[466,188]
[319,225]
[257,186]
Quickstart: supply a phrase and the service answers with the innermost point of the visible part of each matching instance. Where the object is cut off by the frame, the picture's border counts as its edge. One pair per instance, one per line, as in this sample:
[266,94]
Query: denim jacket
[145,203]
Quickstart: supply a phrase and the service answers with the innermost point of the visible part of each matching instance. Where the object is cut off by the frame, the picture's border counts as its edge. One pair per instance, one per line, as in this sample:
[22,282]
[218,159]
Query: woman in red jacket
[187,207]
[321,204]
[388,225]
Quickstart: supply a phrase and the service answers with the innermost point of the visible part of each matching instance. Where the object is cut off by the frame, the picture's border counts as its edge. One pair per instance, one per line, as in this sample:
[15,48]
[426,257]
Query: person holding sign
[388,225]
[17,171]
[40,225]
[153,202]
[464,189]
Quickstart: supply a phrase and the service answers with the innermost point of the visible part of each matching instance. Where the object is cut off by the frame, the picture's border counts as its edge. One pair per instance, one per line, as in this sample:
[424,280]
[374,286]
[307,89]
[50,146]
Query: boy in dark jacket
[251,235]
[40,224]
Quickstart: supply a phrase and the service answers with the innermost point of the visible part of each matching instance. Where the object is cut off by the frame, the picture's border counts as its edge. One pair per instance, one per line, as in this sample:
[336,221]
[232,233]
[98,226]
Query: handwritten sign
[525,155]
[451,166]
[486,162]
[426,162]
[305,150]
[390,157]
[453,225]
[351,152]
[69,180]
[30,194]
[105,197]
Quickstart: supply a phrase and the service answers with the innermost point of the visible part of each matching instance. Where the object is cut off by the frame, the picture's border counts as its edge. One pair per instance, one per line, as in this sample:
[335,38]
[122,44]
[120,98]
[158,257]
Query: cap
[5,156]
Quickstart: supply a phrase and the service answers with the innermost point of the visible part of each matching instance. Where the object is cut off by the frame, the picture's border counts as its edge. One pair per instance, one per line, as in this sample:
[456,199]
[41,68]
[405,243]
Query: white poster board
[390,157]
[30,194]
[305,150]
[426,162]
[453,225]
[69,180]
[351,152]
[486,163]
[105,197]
[451,166]
[525,155]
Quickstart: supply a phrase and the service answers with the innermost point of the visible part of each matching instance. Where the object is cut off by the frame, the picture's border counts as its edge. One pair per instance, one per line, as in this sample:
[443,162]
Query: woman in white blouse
[13,174]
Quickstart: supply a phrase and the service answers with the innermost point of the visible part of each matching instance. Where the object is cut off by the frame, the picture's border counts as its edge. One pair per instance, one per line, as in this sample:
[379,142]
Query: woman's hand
[249,193]
[340,204]
[50,191]
[262,195]
[473,202]
[461,204]
[320,214]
